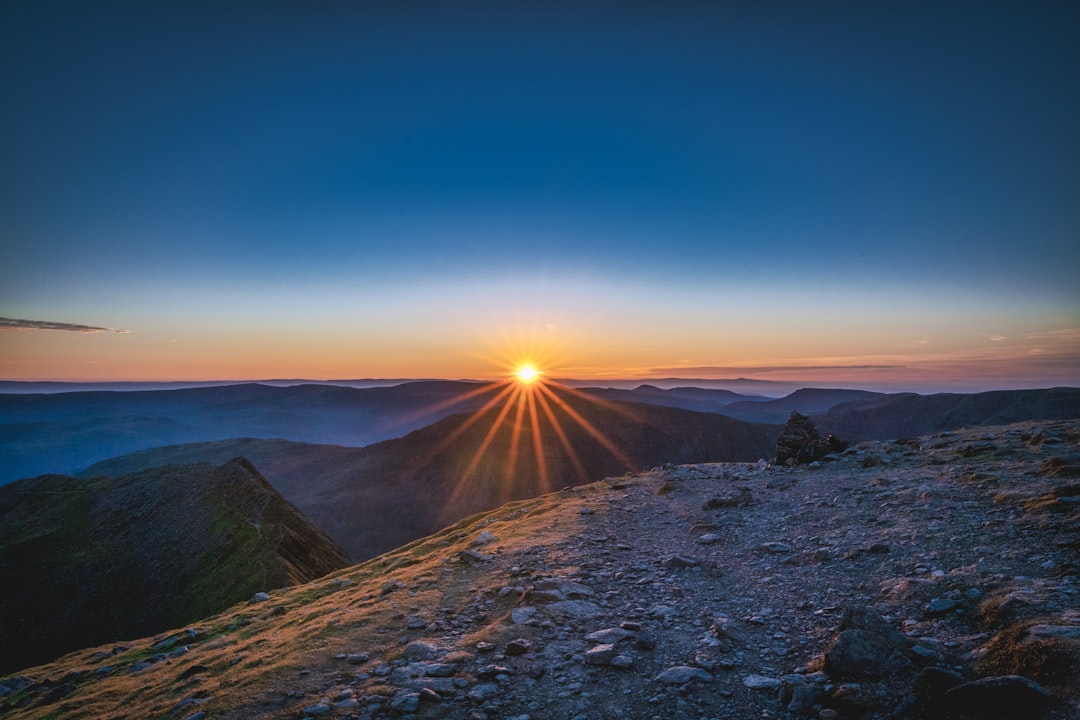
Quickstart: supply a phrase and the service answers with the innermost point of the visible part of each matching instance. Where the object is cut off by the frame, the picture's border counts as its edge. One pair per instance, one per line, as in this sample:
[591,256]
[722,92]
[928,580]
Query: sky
[831,193]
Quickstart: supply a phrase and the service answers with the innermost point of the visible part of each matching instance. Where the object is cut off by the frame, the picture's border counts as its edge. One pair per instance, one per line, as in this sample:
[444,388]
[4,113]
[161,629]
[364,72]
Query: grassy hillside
[87,561]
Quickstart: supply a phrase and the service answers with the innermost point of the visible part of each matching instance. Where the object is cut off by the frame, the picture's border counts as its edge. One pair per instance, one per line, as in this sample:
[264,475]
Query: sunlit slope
[87,561]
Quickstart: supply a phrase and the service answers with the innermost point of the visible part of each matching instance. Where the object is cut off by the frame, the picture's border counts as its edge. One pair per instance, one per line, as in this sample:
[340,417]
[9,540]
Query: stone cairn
[800,442]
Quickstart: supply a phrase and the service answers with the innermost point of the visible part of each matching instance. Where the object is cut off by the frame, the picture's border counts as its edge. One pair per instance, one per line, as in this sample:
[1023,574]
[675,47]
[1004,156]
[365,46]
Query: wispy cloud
[17,324]
[1064,334]
[711,370]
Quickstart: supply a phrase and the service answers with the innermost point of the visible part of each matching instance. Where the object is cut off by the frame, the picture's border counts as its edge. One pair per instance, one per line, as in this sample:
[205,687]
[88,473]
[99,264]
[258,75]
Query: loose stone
[682,674]
[761,682]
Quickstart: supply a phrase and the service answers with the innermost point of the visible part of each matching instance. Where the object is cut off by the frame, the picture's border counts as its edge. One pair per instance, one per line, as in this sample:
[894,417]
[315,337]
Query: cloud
[16,324]
[715,369]
[1065,334]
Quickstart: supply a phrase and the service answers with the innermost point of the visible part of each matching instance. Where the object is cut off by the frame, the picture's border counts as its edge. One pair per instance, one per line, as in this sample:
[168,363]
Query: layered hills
[65,432]
[372,499]
[911,415]
[933,577]
[90,561]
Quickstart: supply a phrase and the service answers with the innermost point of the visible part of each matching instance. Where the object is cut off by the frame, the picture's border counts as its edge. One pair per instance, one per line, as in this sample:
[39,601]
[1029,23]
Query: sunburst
[526,403]
[527,373]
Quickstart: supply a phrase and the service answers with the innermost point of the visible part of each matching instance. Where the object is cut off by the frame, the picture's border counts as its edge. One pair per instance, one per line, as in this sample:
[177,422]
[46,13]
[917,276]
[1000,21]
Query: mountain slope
[807,401]
[687,398]
[87,561]
[908,414]
[916,588]
[376,498]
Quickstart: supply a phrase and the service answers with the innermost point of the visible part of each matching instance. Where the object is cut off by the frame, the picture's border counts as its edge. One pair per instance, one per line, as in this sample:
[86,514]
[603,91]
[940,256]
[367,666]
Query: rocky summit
[931,577]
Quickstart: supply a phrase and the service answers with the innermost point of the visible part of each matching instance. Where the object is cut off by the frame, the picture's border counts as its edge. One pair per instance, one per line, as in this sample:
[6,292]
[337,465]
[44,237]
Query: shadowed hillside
[807,401]
[687,398]
[89,561]
[907,414]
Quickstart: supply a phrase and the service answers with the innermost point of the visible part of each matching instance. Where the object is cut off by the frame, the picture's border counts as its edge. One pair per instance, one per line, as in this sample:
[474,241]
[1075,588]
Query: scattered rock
[644,641]
[682,674]
[484,538]
[406,701]
[932,683]
[420,650]
[518,616]
[609,635]
[1004,696]
[941,606]
[518,647]
[777,547]
[866,647]
[805,698]
[681,561]
[761,682]
[600,655]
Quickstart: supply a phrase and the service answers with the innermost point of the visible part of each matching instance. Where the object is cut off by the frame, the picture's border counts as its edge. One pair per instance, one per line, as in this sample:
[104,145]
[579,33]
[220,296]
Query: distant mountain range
[375,498]
[66,432]
[87,562]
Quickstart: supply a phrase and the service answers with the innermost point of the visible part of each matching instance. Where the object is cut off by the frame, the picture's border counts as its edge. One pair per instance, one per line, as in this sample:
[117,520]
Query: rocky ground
[920,578]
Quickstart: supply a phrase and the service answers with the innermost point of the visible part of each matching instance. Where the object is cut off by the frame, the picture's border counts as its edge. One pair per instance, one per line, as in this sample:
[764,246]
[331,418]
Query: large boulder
[866,647]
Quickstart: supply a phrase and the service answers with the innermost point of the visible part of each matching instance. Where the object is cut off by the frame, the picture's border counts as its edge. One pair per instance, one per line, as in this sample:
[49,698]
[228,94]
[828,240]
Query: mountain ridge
[67,432]
[87,561]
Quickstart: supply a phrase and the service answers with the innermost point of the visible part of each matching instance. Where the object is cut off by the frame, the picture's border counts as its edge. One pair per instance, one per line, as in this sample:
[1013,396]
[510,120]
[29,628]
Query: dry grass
[251,655]
[1053,662]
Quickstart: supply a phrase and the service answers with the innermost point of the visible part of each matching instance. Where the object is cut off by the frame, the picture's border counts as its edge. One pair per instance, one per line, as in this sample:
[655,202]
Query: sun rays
[526,424]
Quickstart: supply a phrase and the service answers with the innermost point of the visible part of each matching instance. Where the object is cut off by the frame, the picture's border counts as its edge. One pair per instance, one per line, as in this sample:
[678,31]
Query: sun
[527,373]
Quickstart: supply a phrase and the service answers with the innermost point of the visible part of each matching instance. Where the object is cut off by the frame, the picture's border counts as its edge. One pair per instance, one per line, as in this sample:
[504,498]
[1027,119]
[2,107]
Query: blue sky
[428,175]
